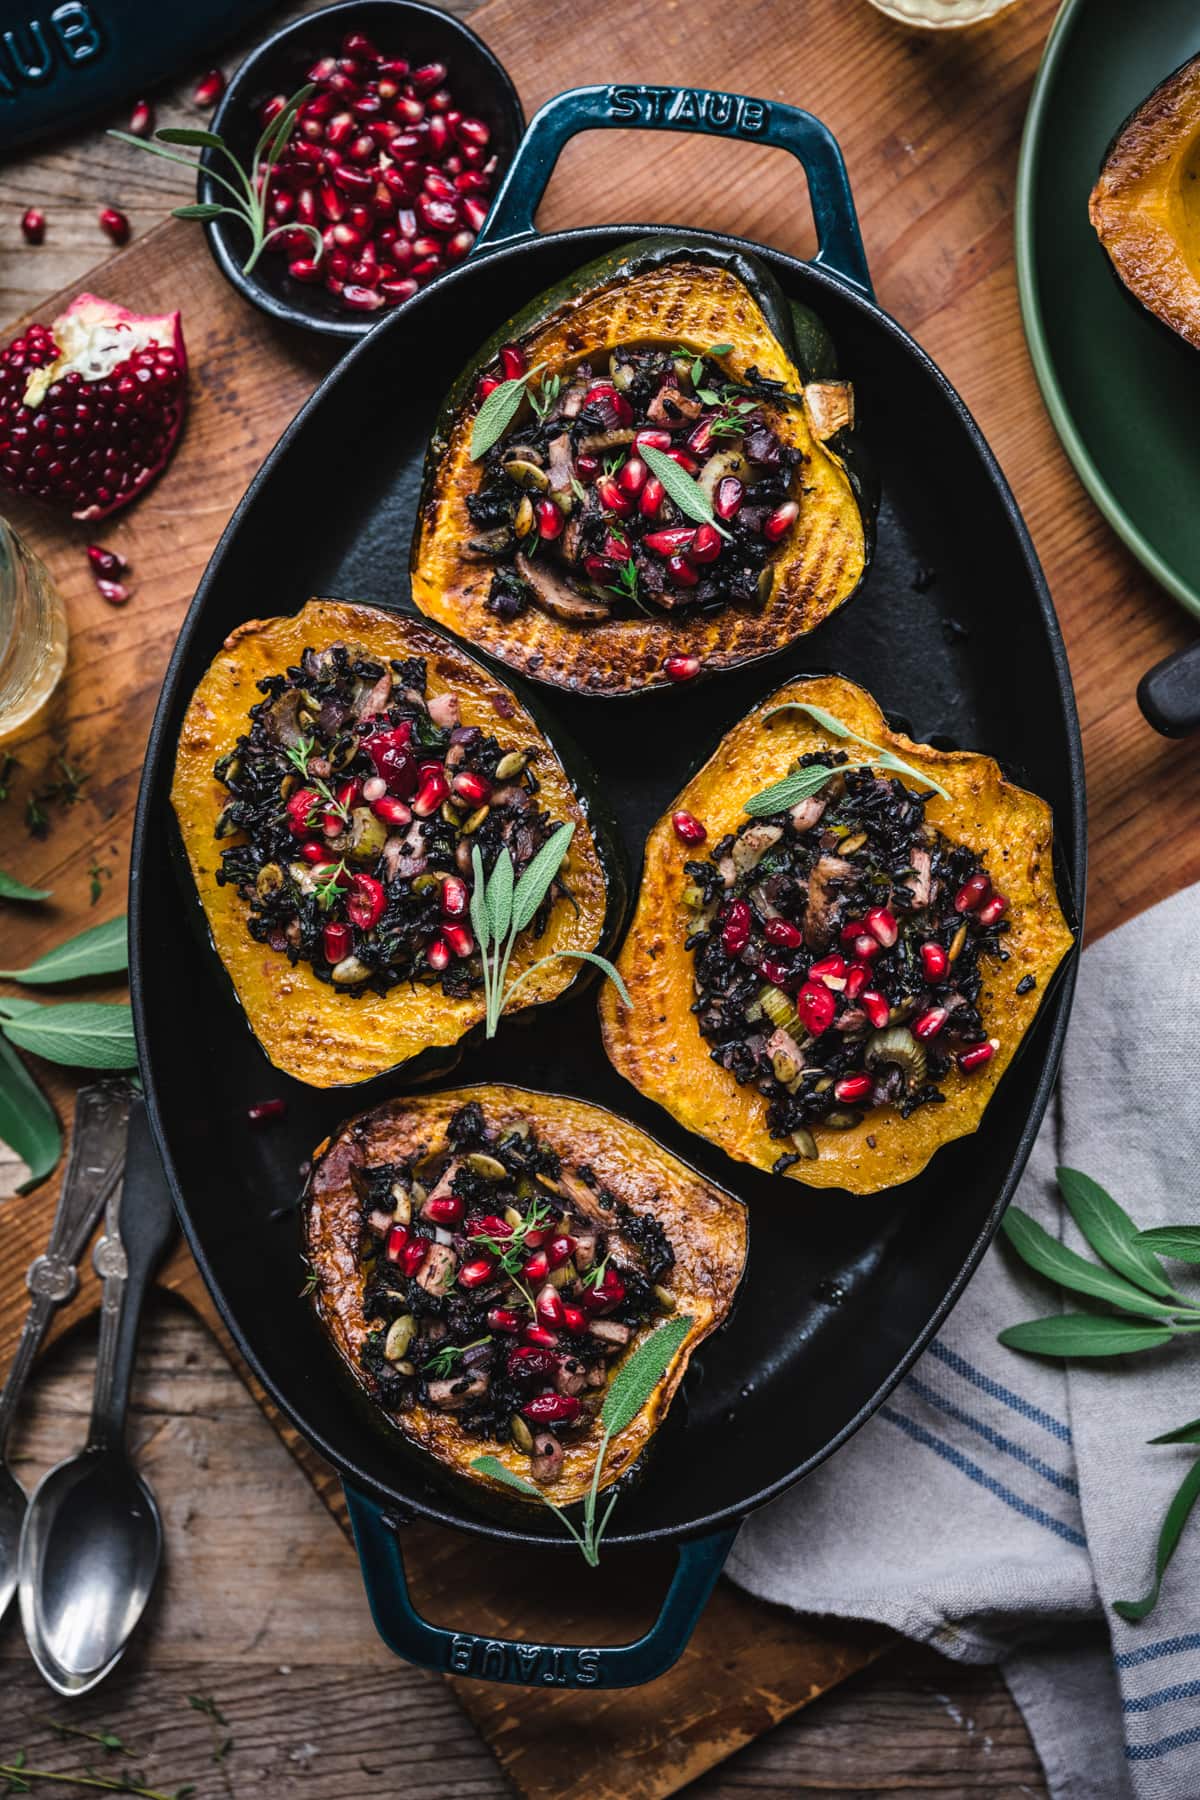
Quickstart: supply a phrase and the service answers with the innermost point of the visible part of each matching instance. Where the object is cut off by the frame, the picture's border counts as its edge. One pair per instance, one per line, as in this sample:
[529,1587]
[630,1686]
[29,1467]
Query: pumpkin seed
[451,815]
[268,881]
[854,843]
[805,1143]
[527,475]
[425,884]
[903,1011]
[225,824]
[368,835]
[511,765]
[522,1437]
[840,1118]
[475,820]
[349,970]
[287,786]
[513,1217]
[402,1211]
[406,1368]
[785,1066]
[489,1166]
[400,1335]
[665,1299]
[523,519]
[564,1275]
[957,942]
[766,584]
[823,1086]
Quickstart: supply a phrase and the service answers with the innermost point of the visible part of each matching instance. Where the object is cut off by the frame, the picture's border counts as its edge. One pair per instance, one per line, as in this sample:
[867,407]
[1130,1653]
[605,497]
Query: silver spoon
[92,1539]
[94,1168]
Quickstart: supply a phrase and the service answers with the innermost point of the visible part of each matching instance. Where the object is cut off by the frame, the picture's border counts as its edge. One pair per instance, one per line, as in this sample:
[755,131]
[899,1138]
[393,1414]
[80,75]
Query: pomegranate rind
[656,1045]
[643,293]
[706,1227]
[309,1029]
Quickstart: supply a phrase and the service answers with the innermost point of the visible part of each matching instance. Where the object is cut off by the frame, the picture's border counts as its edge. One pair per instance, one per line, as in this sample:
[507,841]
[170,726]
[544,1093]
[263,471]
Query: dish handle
[400,1625]
[636,106]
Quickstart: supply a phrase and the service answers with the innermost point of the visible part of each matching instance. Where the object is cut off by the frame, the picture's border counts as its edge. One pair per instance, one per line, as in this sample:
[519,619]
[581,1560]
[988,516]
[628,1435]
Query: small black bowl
[280,66]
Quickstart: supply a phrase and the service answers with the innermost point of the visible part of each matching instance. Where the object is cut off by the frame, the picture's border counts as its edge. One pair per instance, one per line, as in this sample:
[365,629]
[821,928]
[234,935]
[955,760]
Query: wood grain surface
[930,128]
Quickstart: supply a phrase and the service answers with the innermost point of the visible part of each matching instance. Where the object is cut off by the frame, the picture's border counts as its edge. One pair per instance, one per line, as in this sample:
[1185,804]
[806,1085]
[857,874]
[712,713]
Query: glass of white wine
[33,635]
[941,15]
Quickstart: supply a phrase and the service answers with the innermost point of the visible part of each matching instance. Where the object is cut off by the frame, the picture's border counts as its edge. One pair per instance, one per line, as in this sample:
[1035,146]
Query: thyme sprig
[510,1252]
[299,755]
[442,1361]
[249,190]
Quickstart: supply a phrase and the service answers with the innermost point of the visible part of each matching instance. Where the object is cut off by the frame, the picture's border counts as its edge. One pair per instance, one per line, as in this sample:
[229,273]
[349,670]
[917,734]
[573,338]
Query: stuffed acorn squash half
[341,777]
[840,940]
[1145,206]
[649,473]
[485,1261]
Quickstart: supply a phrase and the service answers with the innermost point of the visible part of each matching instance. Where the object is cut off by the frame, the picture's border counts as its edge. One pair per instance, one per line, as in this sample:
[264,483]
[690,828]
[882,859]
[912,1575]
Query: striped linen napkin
[998,1504]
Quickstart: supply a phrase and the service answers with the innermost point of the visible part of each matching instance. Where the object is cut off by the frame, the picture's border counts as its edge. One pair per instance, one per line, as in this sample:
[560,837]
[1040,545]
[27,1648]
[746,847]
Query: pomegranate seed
[209,88]
[471,182]
[315,853]
[686,462]
[699,438]
[467,785]
[114,224]
[413,1255]
[353,181]
[437,955]
[533,1363]
[460,245]
[502,1318]
[115,592]
[540,1338]
[437,215]
[437,185]
[778,974]
[394,292]
[778,931]
[474,212]
[492,1225]
[728,497]
[652,440]
[552,1409]
[816,1007]
[779,522]
[706,545]
[681,571]
[459,939]
[106,562]
[445,1209]
[549,1307]
[852,1087]
[427,247]
[992,909]
[550,520]
[608,1292]
[141,119]
[396,1239]
[600,569]
[513,362]
[487,385]
[302,268]
[362,299]
[427,269]
[453,897]
[559,1250]
[831,970]
[612,498]
[651,498]
[672,542]
[930,1023]
[632,475]
[336,941]
[475,1273]
[934,961]
[688,828]
[367,901]
[574,1320]
[472,131]
[735,927]
[973,892]
[536,1267]
[882,925]
[270,109]
[33,225]
[861,943]
[857,976]
[875,1007]
[428,76]
[263,1111]
[681,668]
[300,807]
[433,792]
[976,1055]
[357,43]
[439,136]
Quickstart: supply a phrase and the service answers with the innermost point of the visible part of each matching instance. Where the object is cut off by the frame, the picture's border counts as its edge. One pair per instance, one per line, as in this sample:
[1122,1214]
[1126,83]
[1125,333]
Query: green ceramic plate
[1124,394]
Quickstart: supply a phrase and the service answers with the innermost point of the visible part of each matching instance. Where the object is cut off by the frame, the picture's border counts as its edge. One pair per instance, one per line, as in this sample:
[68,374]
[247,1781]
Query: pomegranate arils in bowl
[91,405]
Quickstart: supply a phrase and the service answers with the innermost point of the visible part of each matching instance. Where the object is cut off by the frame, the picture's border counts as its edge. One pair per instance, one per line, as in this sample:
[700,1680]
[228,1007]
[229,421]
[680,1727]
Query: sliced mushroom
[571,1376]
[611,1333]
[453,1392]
[436,1274]
[920,882]
[547,1456]
[554,596]
[753,845]
[561,465]
[444,710]
[672,409]
[823,884]
[444,1186]
[805,814]
[376,698]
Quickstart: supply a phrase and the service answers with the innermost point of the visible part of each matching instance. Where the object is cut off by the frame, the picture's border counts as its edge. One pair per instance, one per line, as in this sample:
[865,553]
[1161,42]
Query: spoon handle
[139,1226]
[93,1170]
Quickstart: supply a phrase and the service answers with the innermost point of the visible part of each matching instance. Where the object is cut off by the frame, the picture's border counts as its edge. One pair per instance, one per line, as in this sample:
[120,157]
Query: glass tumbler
[33,635]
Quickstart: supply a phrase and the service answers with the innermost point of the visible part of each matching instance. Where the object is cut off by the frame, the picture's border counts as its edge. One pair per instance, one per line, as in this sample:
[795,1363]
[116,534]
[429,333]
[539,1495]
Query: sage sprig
[881,758]
[101,950]
[249,189]
[793,789]
[628,1392]
[501,908]
[1130,1278]
[501,406]
[88,1034]
[687,493]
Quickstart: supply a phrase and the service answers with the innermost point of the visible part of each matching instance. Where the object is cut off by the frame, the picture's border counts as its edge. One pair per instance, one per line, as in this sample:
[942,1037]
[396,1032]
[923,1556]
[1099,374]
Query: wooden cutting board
[930,128]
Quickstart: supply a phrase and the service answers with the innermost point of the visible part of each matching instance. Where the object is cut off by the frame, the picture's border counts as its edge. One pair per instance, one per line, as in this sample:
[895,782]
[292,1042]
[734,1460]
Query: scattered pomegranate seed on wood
[114,224]
[209,88]
[33,225]
[141,119]
[115,592]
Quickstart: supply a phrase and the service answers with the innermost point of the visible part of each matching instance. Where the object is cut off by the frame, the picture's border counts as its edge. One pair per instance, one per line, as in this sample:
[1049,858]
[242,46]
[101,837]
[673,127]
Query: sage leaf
[534,884]
[500,895]
[790,791]
[635,1381]
[12,889]
[27,1121]
[1176,1517]
[1180,1242]
[1084,1334]
[1059,1264]
[491,1465]
[479,911]
[497,414]
[84,1034]
[1112,1233]
[101,950]
[886,759]
[687,494]
[1182,1434]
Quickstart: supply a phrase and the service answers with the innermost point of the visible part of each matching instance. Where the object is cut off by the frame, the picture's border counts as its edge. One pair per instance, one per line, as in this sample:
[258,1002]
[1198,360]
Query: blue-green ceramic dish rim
[1033,143]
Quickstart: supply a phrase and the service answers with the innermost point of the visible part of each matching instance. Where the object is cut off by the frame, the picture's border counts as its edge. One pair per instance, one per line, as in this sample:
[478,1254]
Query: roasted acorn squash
[652,295]
[310,1028]
[1145,206]
[402,1326]
[881,972]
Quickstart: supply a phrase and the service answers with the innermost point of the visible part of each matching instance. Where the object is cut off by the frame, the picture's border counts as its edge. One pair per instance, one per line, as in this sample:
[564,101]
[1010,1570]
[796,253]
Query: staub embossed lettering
[535,1665]
[32,53]
[736,113]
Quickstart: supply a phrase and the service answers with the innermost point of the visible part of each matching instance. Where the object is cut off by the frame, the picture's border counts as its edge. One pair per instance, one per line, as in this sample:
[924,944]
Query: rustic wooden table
[260,1614]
